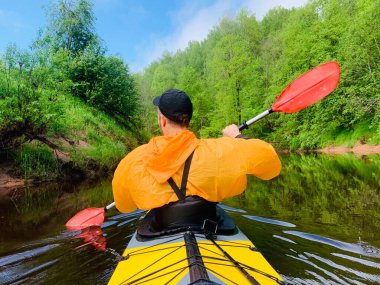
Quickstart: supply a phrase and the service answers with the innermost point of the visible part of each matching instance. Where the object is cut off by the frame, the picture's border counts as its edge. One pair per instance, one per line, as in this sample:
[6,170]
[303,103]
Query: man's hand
[231,131]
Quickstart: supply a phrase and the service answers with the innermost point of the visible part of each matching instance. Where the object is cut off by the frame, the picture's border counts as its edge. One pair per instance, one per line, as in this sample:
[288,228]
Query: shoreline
[358,149]
[9,186]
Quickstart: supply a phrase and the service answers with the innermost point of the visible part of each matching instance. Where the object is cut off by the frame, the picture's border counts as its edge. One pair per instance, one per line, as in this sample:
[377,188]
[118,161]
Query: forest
[67,104]
[243,65]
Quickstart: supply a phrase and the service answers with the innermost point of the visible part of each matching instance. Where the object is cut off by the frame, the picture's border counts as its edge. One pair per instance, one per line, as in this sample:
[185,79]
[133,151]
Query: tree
[30,103]
[77,55]
[70,26]
[230,58]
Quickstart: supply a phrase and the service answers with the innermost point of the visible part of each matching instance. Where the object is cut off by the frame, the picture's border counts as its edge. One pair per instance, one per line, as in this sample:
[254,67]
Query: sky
[139,31]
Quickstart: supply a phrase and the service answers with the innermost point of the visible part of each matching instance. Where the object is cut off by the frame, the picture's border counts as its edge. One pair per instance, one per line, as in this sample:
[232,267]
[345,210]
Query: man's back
[218,169]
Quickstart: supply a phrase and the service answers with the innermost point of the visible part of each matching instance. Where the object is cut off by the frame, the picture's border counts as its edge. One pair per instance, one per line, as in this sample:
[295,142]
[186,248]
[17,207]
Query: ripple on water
[270,221]
[357,260]
[123,216]
[28,254]
[108,224]
[127,222]
[232,209]
[363,275]
[341,270]
[359,248]
[284,239]
[331,275]
[21,272]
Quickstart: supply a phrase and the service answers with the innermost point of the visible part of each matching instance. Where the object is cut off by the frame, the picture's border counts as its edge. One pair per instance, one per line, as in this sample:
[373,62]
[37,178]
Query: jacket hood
[165,155]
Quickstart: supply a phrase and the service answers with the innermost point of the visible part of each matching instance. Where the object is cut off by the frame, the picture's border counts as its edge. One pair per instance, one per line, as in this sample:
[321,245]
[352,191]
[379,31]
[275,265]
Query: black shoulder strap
[181,193]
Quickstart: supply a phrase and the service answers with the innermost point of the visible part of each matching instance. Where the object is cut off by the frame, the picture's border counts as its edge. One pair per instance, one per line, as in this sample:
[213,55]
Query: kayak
[201,256]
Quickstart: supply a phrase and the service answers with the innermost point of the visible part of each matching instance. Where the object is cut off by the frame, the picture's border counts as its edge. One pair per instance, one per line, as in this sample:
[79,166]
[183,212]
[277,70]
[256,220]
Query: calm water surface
[318,223]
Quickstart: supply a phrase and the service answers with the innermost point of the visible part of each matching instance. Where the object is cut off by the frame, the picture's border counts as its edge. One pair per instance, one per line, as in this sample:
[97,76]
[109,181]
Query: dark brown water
[318,223]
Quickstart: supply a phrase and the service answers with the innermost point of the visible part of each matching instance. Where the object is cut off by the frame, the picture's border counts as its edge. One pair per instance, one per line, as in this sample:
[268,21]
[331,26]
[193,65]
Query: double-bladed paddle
[304,91]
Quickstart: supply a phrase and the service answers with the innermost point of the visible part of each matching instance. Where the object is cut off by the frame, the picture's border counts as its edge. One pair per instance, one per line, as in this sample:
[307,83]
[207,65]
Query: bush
[105,83]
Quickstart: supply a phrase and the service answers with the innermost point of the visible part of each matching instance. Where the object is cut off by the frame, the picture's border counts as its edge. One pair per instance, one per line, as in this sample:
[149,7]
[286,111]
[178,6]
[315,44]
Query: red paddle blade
[309,88]
[86,218]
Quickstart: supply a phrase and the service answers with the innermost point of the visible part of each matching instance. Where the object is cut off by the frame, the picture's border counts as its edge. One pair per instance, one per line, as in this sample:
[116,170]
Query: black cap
[174,103]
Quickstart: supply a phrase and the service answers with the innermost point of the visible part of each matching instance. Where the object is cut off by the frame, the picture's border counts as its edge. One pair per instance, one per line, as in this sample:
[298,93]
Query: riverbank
[358,149]
[85,148]
[65,164]
[12,185]
[8,184]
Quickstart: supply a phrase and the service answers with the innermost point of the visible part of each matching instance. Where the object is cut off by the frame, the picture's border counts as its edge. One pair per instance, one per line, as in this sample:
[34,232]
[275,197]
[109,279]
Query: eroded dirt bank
[9,185]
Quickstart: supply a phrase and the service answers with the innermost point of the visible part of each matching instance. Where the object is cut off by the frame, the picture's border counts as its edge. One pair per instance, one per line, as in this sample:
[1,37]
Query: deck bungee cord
[196,263]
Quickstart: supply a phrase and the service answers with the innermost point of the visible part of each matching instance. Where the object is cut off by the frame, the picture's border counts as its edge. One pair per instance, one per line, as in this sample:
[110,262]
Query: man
[148,177]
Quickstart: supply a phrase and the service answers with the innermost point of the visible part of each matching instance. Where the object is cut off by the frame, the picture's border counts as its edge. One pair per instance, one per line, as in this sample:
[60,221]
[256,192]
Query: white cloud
[193,22]
[198,23]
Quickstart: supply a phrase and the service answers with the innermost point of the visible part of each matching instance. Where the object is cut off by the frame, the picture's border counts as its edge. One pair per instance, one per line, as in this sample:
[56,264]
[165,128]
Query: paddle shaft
[255,119]
[110,206]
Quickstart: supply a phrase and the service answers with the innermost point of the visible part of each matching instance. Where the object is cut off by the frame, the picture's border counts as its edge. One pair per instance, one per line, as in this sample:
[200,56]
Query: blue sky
[139,31]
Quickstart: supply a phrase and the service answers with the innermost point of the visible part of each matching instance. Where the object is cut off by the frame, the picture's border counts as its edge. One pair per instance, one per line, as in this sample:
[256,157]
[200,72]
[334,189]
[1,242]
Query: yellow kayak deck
[188,257]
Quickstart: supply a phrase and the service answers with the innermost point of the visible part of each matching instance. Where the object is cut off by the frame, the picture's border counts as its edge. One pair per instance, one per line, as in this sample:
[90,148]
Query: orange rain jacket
[218,169]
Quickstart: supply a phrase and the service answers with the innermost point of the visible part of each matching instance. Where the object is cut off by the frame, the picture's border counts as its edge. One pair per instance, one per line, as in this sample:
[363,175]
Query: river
[318,223]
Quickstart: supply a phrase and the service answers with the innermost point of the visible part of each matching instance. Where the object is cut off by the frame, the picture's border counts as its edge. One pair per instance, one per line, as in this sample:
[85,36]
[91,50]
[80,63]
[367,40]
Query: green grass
[103,140]
[36,160]
[95,138]
[363,132]
[359,133]
[104,151]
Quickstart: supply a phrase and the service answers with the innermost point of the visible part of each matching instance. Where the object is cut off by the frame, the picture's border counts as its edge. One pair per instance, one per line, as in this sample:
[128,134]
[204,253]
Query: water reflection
[318,223]
[92,236]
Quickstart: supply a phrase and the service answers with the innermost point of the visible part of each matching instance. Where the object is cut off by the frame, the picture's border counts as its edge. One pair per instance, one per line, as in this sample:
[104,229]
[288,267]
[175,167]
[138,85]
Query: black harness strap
[181,192]
[175,188]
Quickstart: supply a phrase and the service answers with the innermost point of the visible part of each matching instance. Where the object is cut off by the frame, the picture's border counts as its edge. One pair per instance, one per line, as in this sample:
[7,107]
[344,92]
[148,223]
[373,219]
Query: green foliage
[29,104]
[36,160]
[104,82]
[105,152]
[97,137]
[38,91]
[243,65]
